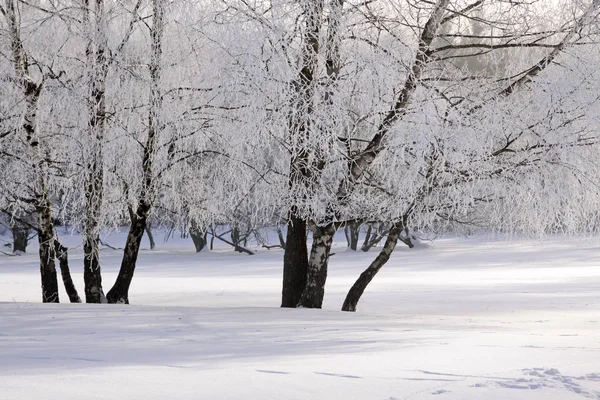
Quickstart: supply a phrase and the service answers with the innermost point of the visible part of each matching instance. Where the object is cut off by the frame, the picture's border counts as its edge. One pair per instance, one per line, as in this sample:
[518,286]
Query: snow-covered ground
[462,319]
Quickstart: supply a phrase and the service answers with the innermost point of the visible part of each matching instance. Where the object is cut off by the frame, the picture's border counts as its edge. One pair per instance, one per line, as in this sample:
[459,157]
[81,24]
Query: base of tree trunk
[357,290]
[314,291]
[20,235]
[295,263]
[63,259]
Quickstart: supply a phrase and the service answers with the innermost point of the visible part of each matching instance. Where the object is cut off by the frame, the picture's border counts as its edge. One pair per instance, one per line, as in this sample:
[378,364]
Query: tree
[451,188]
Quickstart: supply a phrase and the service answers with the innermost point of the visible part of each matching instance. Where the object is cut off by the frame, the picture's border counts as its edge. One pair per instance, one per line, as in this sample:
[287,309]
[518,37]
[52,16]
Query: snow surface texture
[462,319]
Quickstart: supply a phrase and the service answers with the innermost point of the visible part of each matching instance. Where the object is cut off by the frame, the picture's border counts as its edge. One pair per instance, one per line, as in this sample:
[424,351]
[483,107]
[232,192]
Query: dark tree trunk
[408,239]
[63,258]
[198,237]
[366,277]
[373,239]
[92,276]
[119,293]
[150,236]
[97,59]
[367,237]
[295,263]
[235,236]
[212,236]
[314,291]
[20,234]
[353,233]
[47,253]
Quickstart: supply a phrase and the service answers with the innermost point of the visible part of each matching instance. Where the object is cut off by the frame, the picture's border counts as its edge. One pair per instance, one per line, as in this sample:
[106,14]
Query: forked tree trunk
[295,263]
[295,258]
[314,291]
[367,276]
[63,258]
[20,234]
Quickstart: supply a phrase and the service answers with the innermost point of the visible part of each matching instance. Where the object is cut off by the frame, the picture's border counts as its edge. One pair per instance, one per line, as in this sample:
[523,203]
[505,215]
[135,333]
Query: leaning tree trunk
[20,234]
[367,276]
[119,293]
[295,262]
[63,258]
[314,291]
[150,236]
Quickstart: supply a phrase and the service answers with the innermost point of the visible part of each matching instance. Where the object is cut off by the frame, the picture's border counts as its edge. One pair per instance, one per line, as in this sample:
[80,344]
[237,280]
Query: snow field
[462,319]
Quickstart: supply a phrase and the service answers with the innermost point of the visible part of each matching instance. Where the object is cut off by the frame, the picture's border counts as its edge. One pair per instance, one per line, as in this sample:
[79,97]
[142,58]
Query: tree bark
[97,60]
[314,291]
[295,263]
[47,253]
[119,293]
[281,238]
[150,236]
[63,258]
[31,93]
[353,233]
[198,237]
[20,234]
[92,276]
[295,258]
[367,276]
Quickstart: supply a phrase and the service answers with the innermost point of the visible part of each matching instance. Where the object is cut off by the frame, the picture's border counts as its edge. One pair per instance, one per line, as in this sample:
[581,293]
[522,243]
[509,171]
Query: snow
[460,319]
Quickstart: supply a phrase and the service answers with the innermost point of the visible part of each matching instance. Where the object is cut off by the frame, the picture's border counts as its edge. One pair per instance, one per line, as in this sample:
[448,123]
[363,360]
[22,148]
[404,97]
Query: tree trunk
[63,258]
[281,238]
[235,237]
[314,291]
[31,93]
[198,237]
[97,60]
[47,253]
[92,276]
[150,236]
[119,293]
[374,238]
[353,232]
[20,234]
[367,276]
[295,262]
[367,237]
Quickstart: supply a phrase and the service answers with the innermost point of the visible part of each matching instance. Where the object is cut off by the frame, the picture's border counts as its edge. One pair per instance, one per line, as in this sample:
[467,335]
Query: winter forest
[261,141]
